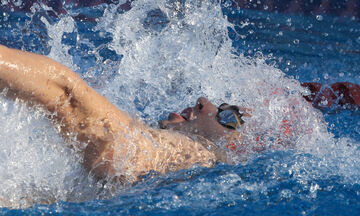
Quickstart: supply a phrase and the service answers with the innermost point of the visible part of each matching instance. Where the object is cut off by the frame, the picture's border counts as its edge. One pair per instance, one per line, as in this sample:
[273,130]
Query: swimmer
[117,145]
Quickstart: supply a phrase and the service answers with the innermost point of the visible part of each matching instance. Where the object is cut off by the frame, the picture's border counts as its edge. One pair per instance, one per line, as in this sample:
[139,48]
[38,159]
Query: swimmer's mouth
[173,118]
[186,115]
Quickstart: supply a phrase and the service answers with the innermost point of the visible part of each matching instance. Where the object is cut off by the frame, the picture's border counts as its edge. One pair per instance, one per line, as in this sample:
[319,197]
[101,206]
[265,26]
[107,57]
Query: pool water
[158,57]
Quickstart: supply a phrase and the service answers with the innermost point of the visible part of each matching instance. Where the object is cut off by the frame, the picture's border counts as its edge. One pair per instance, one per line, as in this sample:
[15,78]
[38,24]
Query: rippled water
[158,57]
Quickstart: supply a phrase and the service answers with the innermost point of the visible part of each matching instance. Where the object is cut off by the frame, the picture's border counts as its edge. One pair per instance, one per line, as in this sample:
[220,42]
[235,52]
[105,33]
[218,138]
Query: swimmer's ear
[245,111]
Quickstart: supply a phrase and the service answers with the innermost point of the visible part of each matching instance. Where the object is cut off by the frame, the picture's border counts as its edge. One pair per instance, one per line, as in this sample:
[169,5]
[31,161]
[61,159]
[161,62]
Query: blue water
[290,182]
[309,49]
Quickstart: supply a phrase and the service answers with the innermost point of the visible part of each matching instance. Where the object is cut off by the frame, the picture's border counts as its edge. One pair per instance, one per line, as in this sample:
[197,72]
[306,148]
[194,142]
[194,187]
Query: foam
[166,66]
[36,166]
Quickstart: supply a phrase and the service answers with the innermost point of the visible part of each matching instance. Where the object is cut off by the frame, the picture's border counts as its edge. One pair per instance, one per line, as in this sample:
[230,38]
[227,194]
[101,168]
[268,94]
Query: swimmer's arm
[79,109]
[39,79]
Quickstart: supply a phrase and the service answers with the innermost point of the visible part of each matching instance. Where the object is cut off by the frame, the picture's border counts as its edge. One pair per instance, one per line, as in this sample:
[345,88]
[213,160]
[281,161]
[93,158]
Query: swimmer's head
[207,120]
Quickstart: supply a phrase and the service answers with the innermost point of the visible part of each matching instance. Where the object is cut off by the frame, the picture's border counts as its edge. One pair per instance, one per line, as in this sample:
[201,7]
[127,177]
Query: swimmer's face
[200,120]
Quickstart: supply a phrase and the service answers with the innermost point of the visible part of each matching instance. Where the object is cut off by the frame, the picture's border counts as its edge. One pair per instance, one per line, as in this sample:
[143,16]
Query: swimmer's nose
[200,103]
[204,105]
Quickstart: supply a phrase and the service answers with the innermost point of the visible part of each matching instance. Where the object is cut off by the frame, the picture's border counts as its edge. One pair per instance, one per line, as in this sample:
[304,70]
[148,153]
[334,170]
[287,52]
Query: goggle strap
[238,119]
[237,114]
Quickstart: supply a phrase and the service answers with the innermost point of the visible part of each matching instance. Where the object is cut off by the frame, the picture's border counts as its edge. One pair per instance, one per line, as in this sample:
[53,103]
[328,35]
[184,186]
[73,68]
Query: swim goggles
[229,116]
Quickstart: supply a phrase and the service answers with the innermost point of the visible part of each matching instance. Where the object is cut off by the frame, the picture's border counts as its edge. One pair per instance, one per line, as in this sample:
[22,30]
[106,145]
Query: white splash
[36,166]
[166,67]
[59,51]
[168,63]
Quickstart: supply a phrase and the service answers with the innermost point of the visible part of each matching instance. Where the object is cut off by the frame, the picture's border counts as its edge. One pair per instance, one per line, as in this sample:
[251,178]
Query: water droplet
[326,76]
[319,17]
[228,3]
[288,22]
[314,188]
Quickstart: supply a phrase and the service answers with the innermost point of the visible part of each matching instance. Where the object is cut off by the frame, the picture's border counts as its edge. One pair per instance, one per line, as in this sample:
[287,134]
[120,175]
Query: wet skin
[113,143]
[116,145]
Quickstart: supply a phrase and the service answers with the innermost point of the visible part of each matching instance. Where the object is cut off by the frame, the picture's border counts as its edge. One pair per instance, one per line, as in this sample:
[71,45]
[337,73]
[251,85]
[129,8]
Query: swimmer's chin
[165,124]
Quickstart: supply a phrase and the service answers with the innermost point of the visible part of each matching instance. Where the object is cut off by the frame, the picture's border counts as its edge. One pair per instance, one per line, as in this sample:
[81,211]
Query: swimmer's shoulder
[161,151]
